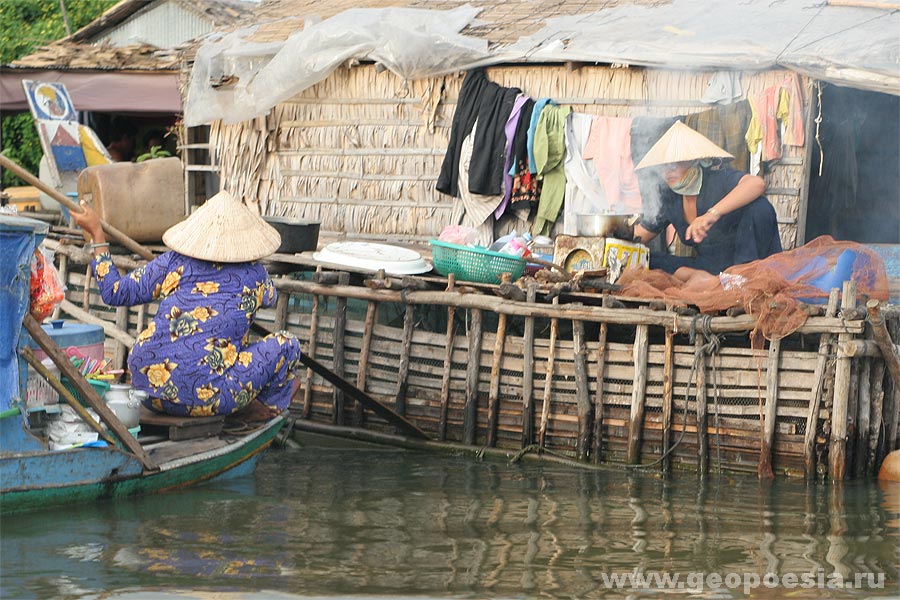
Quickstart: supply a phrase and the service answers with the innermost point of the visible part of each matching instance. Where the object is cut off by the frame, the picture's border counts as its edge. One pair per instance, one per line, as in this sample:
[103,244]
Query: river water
[326,521]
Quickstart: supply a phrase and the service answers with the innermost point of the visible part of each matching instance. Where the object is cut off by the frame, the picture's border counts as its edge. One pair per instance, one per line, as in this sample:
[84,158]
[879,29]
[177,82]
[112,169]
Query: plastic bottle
[517,247]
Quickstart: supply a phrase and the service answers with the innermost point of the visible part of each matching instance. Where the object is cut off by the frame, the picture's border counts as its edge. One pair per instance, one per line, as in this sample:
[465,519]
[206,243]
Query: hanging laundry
[526,186]
[479,209]
[726,126]
[790,111]
[763,127]
[584,194]
[510,130]
[609,145]
[467,105]
[724,87]
[549,153]
[532,127]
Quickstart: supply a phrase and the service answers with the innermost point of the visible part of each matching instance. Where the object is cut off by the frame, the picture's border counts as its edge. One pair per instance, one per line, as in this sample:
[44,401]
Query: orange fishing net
[772,288]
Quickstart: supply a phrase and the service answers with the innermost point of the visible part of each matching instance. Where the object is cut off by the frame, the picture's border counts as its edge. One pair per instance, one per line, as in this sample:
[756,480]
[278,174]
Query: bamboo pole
[640,352]
[409,318]
[494,393]
[528,372]
[470,409]
[338,366]
[359,415]
[668,394]
[598,396]
[548,381]
[837,448]
[582,394]
[311,351]
[812,418]
[114,233]
[702,433]
[771,411]
[448,363]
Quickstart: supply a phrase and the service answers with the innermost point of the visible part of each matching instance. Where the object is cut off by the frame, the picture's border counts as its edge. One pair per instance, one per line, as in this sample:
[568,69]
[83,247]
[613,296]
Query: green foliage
[155,152]
[26,25]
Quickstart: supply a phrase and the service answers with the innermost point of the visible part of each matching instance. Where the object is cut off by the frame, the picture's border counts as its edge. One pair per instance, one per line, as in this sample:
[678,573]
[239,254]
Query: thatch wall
[361,151]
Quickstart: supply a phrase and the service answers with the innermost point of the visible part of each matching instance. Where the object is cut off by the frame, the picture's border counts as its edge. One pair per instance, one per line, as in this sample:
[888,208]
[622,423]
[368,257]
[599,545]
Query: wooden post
[837,448]
[340,326]
[86,292]
[281,310]
[64,278]
[878,372]
[409,321]
[883,339]
[448,362]
[359,415]
[863,418]
[852,415]
[494,394]
[767,444]
[668,393]
[640,354]
[702,421]
[582,394]
[121,352]
[548,382]
[815,404]
[311,351]
[528,372]
[598,396]
[470,409]
[140,319]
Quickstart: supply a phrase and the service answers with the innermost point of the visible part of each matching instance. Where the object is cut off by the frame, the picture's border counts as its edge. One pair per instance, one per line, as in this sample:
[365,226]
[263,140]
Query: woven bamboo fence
[361,151]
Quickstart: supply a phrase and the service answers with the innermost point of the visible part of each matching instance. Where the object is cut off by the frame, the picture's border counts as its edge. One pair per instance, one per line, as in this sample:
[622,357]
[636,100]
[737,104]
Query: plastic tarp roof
[858,47]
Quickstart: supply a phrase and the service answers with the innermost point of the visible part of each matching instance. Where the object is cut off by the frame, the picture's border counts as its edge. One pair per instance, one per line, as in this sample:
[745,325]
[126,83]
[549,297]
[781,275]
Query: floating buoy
[890,468]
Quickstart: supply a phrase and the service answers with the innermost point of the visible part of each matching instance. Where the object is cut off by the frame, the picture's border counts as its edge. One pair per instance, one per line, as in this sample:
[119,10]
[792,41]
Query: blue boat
[32,476]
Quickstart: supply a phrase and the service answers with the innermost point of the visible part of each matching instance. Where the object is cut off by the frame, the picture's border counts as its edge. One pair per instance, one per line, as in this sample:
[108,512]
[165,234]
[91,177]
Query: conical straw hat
[681,143]
[223,230]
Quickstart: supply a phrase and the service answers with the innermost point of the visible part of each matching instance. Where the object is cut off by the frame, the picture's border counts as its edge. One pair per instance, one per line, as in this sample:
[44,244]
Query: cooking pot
[125,402]
[606,225]
[297,235]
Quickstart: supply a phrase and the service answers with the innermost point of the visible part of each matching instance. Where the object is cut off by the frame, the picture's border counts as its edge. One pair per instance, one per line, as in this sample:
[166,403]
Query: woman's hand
[89,221]
[699,228]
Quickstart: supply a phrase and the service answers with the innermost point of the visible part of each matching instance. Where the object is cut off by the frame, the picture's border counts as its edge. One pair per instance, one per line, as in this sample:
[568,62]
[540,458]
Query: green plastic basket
[474,264]
[101,387]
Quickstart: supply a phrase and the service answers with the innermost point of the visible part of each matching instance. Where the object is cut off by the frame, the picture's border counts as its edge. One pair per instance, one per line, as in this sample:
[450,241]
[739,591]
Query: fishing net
[775,289]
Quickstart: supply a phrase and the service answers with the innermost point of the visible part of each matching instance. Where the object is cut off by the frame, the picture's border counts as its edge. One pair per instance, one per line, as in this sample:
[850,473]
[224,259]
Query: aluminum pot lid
[370,256]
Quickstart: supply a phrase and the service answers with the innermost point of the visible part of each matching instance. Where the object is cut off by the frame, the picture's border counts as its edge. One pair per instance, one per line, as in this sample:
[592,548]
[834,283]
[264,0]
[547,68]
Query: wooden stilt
[770,414]
[338,366]
[812,418]
[409,318]
[582,394]
[852,415]
[494,394]
[702,421]
[470,409]
[359,415]
[877,423]
[311,351]
[668,393]
[528,372]
[837,448]
[640,353]
[863,418]
[598,396]
[548,381]
[448,363]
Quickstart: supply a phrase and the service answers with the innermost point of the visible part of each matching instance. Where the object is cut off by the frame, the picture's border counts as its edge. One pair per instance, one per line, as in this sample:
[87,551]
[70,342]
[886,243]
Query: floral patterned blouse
[194,357]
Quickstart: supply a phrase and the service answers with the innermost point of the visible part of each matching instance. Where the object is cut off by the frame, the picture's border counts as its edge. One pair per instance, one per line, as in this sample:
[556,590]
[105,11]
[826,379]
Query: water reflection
[325,521]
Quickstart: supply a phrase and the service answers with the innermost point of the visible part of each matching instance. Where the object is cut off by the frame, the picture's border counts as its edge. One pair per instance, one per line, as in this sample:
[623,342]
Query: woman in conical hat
[194,359]
[721,212]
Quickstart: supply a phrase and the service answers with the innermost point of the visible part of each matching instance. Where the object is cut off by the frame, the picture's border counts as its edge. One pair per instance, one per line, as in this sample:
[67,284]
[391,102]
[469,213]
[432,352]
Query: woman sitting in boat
[722,213]
[194,358]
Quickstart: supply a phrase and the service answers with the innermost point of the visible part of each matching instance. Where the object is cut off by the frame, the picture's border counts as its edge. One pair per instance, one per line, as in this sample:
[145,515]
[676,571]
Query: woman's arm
[748,189]
[644,234]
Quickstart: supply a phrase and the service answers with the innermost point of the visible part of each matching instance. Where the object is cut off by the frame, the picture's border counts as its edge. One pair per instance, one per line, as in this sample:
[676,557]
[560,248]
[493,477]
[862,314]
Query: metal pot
[606,225]
[125,402]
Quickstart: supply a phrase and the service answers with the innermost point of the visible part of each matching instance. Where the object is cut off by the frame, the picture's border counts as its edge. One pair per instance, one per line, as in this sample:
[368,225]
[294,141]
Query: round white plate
[370,256]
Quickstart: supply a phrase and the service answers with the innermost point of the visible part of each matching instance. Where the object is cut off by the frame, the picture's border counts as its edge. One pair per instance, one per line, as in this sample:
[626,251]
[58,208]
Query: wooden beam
[528,372]
[770,414]
[470,409]
[837,448]
[640,353]
[812,417]
[582,394]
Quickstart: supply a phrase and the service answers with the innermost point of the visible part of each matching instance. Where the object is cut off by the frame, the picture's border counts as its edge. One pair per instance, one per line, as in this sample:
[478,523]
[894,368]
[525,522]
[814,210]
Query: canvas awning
[98,91]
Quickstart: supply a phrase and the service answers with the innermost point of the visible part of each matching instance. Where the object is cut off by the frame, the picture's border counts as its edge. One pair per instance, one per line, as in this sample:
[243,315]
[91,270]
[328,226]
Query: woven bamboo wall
[361,151]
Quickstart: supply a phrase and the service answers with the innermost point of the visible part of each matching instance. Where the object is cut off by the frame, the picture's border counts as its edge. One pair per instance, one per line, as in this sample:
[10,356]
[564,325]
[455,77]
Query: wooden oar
[87,392]
[354,392]
[113,232]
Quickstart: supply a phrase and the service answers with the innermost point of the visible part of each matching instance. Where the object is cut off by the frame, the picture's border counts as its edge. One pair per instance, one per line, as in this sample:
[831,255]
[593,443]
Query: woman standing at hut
[194,358]
[720,212]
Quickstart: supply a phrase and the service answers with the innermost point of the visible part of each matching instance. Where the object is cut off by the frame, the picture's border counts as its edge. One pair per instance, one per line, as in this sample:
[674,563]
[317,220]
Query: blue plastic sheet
[19,237]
